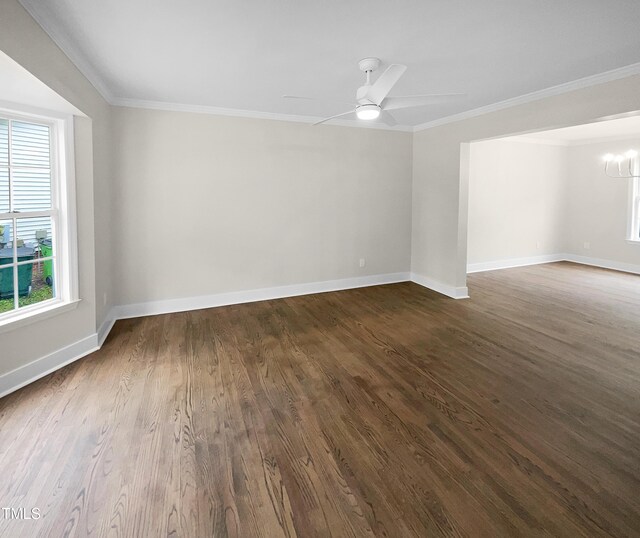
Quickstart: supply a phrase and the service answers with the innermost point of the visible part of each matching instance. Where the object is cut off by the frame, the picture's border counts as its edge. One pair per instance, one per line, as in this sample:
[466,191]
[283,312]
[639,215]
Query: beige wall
[440,185]
[534,199]
[517,200]
[103,194]
[23,39]
[598,206]
[210,204]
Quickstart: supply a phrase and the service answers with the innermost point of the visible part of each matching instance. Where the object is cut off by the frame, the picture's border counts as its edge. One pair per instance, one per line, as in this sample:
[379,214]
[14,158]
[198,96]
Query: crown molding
[41,13]
[585,82]
[254,114]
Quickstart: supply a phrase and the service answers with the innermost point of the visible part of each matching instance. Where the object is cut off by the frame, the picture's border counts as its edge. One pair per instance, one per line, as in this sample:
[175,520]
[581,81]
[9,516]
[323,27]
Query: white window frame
[633,230]
[63,216]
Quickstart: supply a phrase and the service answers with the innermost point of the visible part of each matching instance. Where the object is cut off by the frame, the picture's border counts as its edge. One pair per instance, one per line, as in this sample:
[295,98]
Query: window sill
[33,316]
[633,241]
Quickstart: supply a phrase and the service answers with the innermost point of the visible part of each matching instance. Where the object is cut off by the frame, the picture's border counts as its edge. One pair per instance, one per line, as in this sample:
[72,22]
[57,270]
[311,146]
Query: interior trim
[28,373]
[153,308]
[603,264]
[18,378]
[581,83]
[43,16]
[514,262]
[549,258]
[454,292]
[254,114]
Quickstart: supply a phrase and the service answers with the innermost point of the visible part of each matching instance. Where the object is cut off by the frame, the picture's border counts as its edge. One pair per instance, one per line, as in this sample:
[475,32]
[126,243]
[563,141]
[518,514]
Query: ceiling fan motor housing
[369,64]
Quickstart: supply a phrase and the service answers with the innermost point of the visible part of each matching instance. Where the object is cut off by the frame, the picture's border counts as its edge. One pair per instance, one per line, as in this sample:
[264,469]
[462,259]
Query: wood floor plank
[384,411]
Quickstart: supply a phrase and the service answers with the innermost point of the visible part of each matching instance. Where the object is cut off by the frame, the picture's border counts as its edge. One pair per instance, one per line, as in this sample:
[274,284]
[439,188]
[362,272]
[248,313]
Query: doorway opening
[545,197]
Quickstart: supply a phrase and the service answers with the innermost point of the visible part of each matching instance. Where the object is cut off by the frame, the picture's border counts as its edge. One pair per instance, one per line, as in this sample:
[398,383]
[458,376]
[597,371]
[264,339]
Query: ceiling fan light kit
[367,112]
[373,101]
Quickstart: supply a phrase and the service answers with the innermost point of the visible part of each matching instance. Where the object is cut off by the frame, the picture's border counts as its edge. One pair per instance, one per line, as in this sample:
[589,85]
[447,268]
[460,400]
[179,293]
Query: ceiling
[246,54]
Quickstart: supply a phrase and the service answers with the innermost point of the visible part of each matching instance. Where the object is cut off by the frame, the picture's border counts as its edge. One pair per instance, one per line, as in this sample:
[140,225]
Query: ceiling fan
[373,101]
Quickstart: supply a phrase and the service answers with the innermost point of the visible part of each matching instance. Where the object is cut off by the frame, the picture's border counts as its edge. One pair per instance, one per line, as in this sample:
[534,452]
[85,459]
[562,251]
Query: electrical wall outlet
[363,262]
[104,299]
[538,244]
[586,245]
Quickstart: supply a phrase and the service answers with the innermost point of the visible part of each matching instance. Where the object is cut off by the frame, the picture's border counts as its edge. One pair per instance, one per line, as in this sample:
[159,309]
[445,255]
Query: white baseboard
[450,291]
[107,325]
[549,258]
[514,262]
[18,378]
[604,264]
[153,308]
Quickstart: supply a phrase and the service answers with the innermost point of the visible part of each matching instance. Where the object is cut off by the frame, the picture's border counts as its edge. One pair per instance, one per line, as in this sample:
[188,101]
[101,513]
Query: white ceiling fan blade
[387,118]
[394,103]
[336,116]
[303,98]
[381,87]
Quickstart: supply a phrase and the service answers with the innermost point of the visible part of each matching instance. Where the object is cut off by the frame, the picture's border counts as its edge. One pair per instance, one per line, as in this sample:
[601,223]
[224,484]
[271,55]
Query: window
[634,210]
[37,254]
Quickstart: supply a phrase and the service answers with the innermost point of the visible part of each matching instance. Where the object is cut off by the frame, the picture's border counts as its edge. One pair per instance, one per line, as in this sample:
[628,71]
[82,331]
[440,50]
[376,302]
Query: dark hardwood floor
[383,411]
